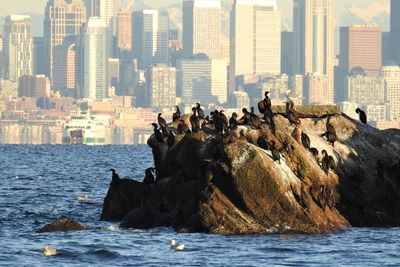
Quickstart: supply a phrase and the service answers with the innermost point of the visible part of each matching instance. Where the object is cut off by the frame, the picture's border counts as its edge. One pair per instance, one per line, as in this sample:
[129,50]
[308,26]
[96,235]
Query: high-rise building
[202,28]
[18,47]
[364,90]
[391,74]
[315,88]
[34,86]
[64,72]
[124,32]
[161,86]
[255,37]
[38,56]
[105,10]
[360,46]
[386,46]
[151,40]
[1,57]
[113,73]
[395,29]
[287,53]
[202,80]
[95,59]
[62,19]
[313,29]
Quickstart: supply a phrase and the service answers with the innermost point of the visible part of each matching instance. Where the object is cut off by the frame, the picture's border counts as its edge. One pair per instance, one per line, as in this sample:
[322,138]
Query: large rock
[209,185]
[62,225]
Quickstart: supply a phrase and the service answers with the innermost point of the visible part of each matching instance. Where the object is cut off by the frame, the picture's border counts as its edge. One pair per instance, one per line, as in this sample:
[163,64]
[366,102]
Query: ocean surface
[39,184]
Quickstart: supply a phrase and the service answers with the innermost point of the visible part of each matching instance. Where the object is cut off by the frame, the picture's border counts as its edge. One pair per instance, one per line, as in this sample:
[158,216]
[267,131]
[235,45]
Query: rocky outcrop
[207,183]
[62,225]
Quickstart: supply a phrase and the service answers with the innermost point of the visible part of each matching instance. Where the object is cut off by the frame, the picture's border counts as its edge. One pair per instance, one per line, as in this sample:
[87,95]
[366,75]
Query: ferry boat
[84,129]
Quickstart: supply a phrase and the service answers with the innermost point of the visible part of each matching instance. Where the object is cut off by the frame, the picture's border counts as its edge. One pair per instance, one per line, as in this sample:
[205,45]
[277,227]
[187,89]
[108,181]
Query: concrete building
[62,19]
[315,89]
[95,58]
[255,37]
[386,46]
[18,47]
[38,56]
[113,73]
[34,86]
[202,80]
[313,29]
[360,46]
[1,57]
[151,40]
[161,86]
[391,74]
[124,32]
[64,71]
[395,30]
[202,28]
[364,90]
[287,49]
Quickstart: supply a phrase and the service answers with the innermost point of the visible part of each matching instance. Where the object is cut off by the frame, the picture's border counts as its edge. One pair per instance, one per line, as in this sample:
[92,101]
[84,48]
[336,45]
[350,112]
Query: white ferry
[84,129]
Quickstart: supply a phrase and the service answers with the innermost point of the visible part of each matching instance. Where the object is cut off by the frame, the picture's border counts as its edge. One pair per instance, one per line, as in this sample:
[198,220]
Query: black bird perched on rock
[157,133]
[163,125]
[305,140]
[330,133]
[194,121]
[182,127]
[362,115]
[223,118]
[115,177]
[315,153]
[200,112]
[176,114]
[233,121]
[254,119]
[246,116]
[265,104]
[218,123]
[292,114]
[263,142]
[149,176]
[170,139]
[325,161]
[275,153]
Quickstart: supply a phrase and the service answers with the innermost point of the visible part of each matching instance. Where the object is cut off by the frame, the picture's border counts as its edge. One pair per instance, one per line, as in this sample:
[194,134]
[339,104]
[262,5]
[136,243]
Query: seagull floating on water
[177,246]
[48,251]
[84,197]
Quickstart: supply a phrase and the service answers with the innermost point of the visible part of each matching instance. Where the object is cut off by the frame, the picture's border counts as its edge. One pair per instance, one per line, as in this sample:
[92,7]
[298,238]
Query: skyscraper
[255,37]
[95,55]
[18,47]
[106,11]
[64,74]
[313,29]
[395,29]
[150,41]
[161,86]
[202,28]
[124,32]
[38,56]
[63,18]
[1,57]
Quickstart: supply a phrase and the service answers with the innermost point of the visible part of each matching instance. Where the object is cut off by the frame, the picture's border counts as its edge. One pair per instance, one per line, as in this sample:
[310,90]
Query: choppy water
[40,183]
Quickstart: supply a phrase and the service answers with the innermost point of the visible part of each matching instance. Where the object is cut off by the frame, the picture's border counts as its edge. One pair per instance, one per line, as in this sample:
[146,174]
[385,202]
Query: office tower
[95,59]
[150,41]
[34,86]
[161,86]
[287,53]
[313,29]
[113,73]
[395,29]
[105,10]
[256,37]
[63,19]
[38,56]
[124,32]
[202,28]
[360,46]
[64,72]
[386,46]
[315,89]
[364,90]
[18,47]
[202,80]
[391,74]
[1,57]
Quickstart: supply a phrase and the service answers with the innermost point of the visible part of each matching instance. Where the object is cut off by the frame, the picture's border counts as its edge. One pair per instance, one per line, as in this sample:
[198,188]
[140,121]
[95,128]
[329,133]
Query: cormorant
[115,177]
[149,176]
[223,118]
[254,119]
[265,104]
[305,140]
[246,117]
[296,134]
[315,153]
[219,124]
[182,127]
[176,114]
[263,142]
[330,133]
[200,112]
[332,164]
[161,121]
[275,153]
[157,133]
[292,114]
[194,121]
[362,115]
[325,161]
[171,139]
[233,121]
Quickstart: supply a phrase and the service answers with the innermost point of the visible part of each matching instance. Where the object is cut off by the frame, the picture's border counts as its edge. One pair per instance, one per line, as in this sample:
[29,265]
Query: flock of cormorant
[225,128]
